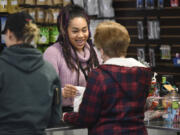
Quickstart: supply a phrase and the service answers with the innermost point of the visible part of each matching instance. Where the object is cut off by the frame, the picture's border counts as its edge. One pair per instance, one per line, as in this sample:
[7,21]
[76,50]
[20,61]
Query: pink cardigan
[54,55]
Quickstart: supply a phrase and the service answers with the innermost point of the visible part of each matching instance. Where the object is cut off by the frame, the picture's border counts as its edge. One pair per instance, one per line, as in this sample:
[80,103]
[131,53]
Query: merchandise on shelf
[140,28]
[91,7]
[174,3]
[41,2]
[40,15]
[152,58]
[160,3]
[3,5]
[3,22]
[139,3]
[66,2]
[54,13]
[165,52]
[32,12]
[141,54]
[153,29]
[105,8]
[57,2]
[154,90]
[21,2]
[164,106]
[48,35]
[29,2]
[176,60]
[53,34]
[149,4]
[44,35]
[13,6]
[9,6]
[79,2]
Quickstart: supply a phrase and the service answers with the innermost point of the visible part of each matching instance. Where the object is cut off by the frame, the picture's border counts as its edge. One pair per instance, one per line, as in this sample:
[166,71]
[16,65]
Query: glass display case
[166,108]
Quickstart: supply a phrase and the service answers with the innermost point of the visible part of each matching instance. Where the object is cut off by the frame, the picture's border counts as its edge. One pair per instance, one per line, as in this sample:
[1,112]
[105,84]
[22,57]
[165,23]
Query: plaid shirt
[113,102]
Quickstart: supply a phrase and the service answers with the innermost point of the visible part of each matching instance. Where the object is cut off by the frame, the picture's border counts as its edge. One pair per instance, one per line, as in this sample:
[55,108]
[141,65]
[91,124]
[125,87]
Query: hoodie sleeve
[56,115]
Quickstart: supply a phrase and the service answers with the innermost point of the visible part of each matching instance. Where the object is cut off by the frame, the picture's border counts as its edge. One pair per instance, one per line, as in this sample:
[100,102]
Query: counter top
[161,125]
[62,127]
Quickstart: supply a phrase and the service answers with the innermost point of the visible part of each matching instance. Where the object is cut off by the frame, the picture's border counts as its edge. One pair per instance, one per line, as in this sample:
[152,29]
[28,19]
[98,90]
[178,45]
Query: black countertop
[161,125]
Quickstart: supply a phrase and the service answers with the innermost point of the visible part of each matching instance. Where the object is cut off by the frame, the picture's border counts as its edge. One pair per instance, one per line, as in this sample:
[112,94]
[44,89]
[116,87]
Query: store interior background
[166,19]
[154,28]
[153,25]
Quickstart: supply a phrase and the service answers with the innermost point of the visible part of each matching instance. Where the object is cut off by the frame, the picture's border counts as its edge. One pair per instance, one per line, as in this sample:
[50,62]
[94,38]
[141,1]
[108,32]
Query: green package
[44,35]
[175,105]
[53,34]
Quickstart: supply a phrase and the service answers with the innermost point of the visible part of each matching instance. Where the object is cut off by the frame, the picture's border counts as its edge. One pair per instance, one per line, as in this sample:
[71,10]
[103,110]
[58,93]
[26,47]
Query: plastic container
[165,108]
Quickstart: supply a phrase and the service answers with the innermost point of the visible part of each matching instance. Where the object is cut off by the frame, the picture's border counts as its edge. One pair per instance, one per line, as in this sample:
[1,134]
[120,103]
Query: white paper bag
[78,98]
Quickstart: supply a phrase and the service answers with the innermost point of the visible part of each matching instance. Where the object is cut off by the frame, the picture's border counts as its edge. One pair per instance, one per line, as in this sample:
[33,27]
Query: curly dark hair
[65,16]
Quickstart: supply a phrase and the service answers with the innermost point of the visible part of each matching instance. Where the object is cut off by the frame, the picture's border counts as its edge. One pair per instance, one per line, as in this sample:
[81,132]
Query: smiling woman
[73,55]
[78,33]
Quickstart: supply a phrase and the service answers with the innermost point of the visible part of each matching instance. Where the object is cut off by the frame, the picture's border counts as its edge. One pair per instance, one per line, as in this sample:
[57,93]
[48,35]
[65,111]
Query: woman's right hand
[69,91]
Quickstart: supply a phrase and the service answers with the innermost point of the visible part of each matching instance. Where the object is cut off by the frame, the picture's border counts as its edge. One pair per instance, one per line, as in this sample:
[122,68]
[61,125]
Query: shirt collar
[126,62]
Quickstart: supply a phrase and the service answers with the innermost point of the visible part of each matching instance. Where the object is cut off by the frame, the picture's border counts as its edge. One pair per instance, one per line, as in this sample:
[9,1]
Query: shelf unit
[169,18]
[41,46]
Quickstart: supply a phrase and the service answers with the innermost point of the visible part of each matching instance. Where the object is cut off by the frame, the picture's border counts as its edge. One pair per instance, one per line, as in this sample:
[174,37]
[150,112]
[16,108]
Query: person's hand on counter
[69,91]
[63,116]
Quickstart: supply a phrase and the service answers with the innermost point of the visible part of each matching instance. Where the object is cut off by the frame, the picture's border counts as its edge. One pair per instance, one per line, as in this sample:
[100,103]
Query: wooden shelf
[169,19]
[41,6]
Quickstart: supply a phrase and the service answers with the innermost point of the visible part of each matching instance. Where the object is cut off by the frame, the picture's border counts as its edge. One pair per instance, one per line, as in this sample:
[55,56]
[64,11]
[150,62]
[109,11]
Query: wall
[169,19]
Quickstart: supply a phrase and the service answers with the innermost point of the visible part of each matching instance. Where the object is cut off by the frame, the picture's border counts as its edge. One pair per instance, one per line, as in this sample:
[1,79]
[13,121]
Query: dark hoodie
[28,103]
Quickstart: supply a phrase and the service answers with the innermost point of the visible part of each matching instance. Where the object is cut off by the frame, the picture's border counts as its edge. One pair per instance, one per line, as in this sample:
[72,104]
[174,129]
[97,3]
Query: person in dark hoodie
[116,91]
[30,96]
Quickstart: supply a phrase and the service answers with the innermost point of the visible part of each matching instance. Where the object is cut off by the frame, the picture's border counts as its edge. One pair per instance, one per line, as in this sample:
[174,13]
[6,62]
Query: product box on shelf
[3,22]
[176,61]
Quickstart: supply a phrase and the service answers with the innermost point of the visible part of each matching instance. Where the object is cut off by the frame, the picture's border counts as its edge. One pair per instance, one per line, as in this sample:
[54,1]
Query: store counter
[66,129]
[160,125]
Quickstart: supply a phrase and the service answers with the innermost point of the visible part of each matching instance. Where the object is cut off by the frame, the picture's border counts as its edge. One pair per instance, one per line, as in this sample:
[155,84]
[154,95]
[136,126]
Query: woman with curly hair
[73,55]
